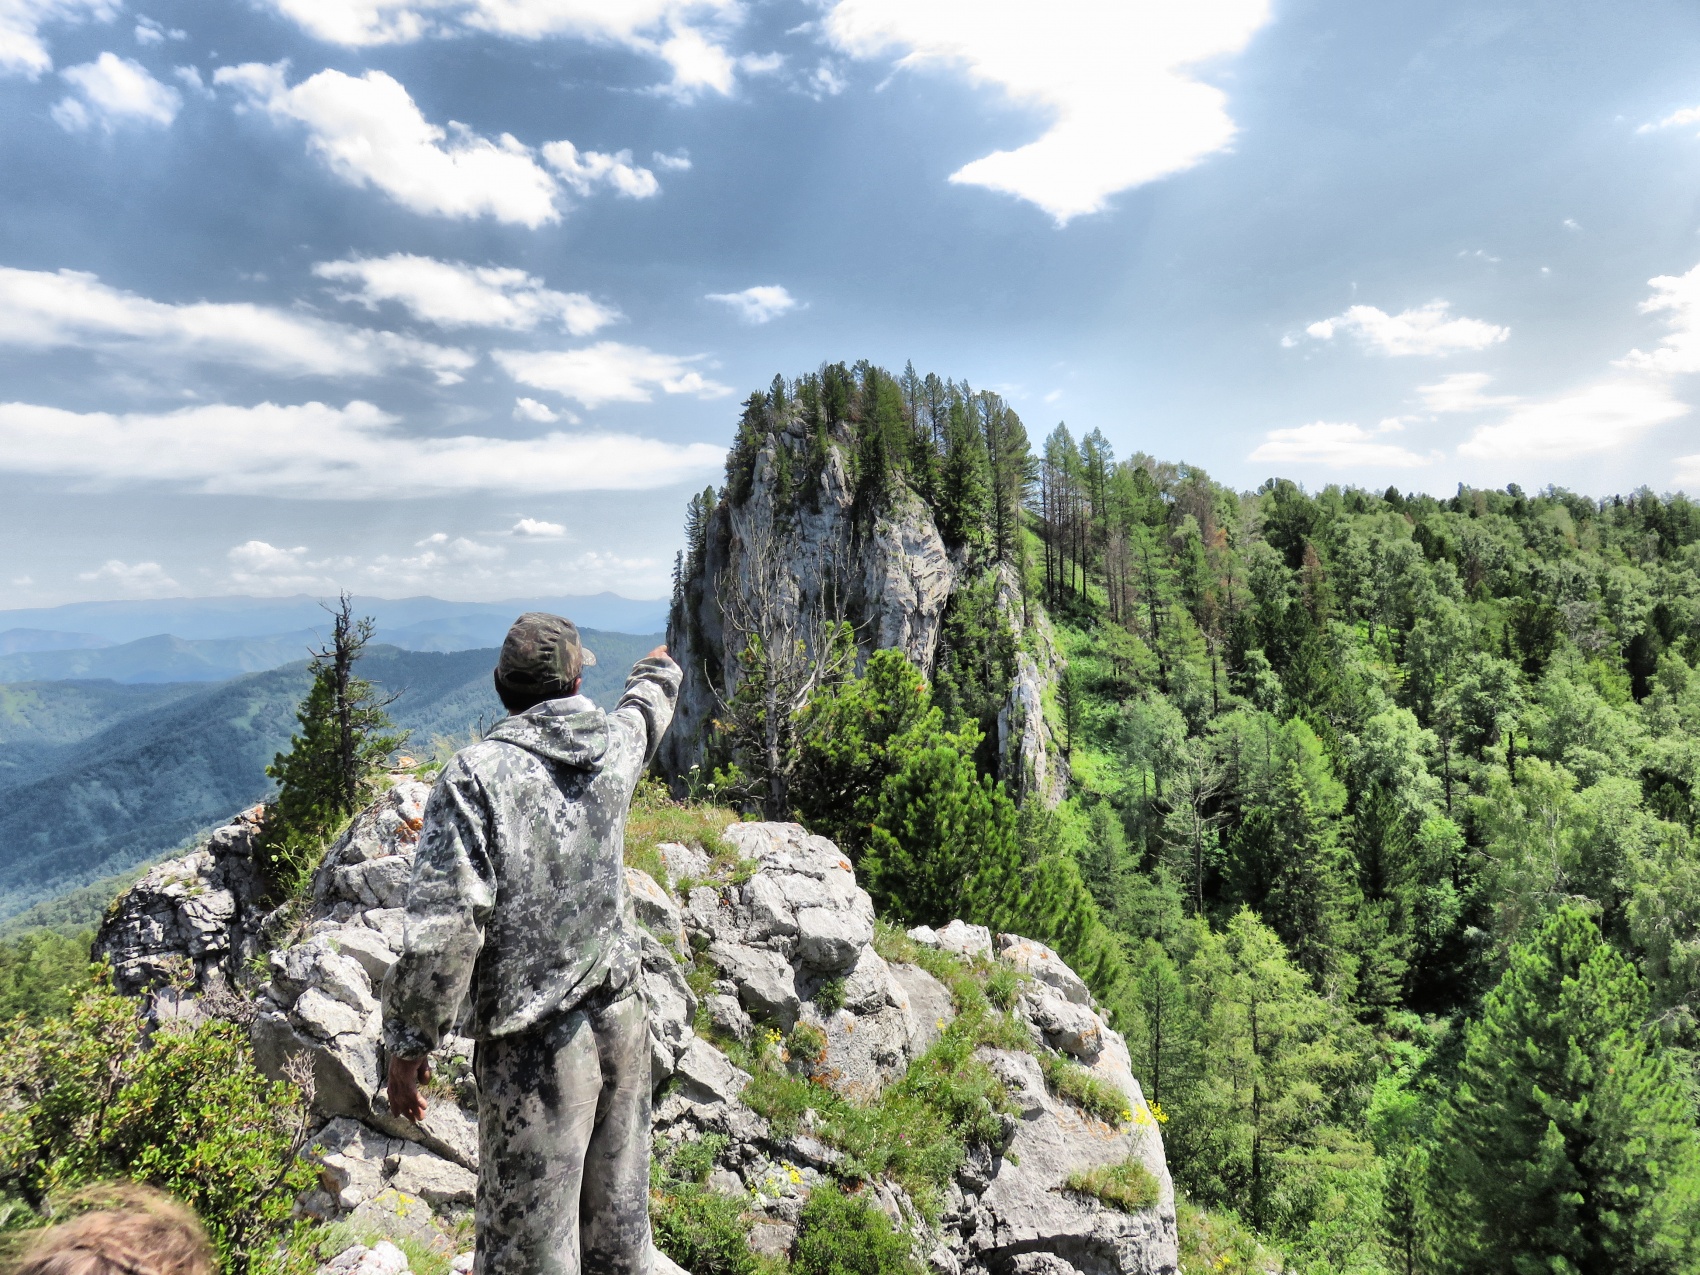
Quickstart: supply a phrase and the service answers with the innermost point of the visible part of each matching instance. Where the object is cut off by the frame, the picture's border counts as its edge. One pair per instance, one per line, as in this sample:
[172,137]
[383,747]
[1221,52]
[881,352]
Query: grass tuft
[1128,1186]
[1073,1083]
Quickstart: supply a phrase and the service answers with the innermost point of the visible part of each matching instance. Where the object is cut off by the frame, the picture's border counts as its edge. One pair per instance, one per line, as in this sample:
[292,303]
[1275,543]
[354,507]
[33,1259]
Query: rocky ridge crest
[762,934]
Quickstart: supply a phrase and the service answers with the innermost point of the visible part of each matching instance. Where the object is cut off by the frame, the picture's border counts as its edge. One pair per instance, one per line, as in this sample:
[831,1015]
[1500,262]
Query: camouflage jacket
[518,891]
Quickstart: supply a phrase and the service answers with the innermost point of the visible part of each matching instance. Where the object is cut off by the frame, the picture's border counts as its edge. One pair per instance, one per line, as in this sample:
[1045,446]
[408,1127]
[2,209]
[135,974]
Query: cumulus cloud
[43,309]
[149,31]
[316,451]
[688,35]
[134,579]
[452,294]
[1597,418]
[115,92]
[369,132]
[1462,392]
[586,170]
[609,372]
[1676,119]
[760,304]
[1677,298]
[22,50]
[1117,83]
[529,409]
[259,567]
[1335,445]
[537,529]
[1427,329]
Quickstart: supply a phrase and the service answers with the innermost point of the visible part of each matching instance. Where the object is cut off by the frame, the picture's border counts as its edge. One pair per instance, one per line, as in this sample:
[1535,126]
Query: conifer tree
[332,763]
[1569,1143]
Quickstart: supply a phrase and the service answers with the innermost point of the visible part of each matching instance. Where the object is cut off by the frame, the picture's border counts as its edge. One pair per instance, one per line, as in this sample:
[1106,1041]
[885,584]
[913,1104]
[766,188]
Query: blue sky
[460,296]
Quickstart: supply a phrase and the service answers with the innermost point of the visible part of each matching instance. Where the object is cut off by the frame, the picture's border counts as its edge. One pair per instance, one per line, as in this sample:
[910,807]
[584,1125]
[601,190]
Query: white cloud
[135,579]
[759,304]
[44,309]
[1427,329]
[258,567]
[1677,297]
[22,50]
[149,31]
[369,132]
[315,451]
[1336,445]
[1676,119]
[452,294]
[680,163]
[529,409]
[537,529]
[115,92]
[608,372]
[688,35]
[1598,418]
[257,555]
[1116,81]
[1462,392]
[585,170]
[443,548]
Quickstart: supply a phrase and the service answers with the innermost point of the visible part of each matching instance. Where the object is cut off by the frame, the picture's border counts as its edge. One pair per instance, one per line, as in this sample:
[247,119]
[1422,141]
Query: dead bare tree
[784,647]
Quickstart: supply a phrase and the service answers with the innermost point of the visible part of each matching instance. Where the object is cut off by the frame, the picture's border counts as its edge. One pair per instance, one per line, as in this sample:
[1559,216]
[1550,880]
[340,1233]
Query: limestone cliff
[803,539]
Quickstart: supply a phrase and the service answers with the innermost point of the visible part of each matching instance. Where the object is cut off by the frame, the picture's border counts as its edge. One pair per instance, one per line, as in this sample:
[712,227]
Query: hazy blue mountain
[240,617]
[13,641]
[98,776]
[163,658]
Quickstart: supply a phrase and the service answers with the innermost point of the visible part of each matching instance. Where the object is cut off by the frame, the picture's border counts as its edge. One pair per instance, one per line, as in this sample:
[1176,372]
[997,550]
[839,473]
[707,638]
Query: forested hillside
[98,776]
[1380,833]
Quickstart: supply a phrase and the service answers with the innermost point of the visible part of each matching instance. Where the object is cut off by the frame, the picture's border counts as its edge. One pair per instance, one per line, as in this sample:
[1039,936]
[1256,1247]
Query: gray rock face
[894,579]
[201,913]
[790,944]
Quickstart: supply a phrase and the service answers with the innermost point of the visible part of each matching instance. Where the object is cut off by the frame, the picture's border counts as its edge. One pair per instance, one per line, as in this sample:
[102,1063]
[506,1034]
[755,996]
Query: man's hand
[406,1076]
[659,653]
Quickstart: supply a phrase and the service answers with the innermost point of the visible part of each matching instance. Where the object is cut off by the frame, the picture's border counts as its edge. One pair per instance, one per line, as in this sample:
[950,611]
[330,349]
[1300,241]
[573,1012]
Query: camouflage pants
[563,1145]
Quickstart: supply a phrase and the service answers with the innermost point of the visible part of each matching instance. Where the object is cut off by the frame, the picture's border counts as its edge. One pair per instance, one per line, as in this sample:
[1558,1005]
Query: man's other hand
[406,1076]
[659,653]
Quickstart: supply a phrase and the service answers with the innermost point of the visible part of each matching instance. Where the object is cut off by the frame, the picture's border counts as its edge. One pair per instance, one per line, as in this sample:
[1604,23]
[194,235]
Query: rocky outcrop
[1032,760]
[811,552]
[784,944]
[198,917]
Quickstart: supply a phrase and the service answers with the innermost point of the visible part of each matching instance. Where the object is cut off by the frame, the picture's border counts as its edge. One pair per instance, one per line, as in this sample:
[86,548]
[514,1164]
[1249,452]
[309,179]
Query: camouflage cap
[542,654]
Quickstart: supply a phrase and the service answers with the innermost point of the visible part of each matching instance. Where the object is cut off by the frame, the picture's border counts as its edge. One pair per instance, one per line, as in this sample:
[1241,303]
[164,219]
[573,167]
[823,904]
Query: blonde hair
[129,1230]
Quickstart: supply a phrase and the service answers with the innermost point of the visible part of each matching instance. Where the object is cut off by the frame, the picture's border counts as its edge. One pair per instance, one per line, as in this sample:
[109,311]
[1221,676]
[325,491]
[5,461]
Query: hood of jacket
[571,732]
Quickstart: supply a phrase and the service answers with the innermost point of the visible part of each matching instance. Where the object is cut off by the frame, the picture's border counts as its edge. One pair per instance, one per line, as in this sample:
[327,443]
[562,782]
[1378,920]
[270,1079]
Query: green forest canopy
[1351,770]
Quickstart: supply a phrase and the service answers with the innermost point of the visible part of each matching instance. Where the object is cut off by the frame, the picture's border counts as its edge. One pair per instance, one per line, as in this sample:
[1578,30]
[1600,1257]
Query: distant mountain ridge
[97,776]
[245,617]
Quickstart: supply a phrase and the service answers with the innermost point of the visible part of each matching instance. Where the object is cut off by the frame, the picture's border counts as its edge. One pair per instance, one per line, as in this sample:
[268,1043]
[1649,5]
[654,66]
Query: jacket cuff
[405,1043]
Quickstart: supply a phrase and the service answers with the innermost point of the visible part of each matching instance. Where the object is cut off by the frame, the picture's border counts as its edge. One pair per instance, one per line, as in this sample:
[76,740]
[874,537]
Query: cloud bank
[452,294]
[609,372]
[368,131]
[320,452]
[1118,83]
[43,309]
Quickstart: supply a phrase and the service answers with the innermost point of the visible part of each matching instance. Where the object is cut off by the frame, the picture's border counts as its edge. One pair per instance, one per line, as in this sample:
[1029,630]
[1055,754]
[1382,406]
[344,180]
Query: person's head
[133,1230]
[542,659]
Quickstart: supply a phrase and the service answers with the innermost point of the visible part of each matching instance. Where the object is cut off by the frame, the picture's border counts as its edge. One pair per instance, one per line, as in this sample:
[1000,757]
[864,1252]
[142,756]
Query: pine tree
[944,844]
[330,769]
[1569,1143]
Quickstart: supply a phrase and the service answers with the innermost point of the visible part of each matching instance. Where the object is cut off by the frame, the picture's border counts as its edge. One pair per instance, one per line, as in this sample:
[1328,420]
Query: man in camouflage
[518,901]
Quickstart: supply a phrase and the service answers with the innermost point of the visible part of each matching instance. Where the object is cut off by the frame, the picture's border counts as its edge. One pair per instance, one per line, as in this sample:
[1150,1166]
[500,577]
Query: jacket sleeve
[646,706]
[448,903]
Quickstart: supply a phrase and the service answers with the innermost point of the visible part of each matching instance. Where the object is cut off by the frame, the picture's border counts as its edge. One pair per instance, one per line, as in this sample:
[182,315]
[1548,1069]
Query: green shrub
[1073,1083]
[1128,1186]
[699,1228]
[842,1234]
[806,1045]
[88,1097]
[829,996]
